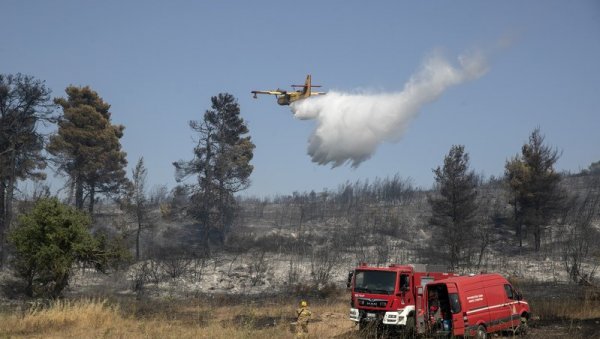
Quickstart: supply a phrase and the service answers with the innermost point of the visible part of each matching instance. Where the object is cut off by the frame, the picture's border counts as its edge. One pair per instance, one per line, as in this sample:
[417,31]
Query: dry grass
[584,307]
[576,317]
[101,319]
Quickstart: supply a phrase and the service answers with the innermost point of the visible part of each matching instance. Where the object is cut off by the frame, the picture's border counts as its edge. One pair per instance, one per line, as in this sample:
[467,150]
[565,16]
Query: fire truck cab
[475,306]
[391,296]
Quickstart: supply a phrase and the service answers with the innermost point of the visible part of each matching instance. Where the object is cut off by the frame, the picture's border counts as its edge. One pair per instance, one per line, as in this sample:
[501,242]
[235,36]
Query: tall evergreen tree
[222,164]
[517,174]
[24,103]
[454,207]
[535,186]
[87,146]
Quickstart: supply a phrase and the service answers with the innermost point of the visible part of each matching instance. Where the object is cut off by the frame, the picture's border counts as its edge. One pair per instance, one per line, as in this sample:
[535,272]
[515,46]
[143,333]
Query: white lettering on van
[475,298]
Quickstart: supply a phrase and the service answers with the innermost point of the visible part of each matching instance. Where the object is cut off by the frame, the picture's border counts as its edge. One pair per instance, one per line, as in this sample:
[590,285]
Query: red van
[475,306]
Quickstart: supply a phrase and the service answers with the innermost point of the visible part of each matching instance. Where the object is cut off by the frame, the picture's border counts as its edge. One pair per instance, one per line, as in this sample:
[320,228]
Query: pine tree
[535,186]
[517,174]
[454,207]
[24,103]
[87,146]
[221,163]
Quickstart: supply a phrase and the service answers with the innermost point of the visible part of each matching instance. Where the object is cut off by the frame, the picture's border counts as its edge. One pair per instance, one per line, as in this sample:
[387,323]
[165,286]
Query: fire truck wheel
[410,327]
[481,333]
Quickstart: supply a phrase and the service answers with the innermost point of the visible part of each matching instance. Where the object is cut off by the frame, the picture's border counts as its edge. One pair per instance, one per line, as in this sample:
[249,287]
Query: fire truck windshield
[381,282]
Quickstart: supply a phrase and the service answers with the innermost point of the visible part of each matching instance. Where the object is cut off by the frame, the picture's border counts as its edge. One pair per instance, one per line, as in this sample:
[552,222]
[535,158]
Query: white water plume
[351,126]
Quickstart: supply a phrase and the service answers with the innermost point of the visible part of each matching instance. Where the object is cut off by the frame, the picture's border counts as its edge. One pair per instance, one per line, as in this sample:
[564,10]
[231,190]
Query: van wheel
[480,333]
[523,327]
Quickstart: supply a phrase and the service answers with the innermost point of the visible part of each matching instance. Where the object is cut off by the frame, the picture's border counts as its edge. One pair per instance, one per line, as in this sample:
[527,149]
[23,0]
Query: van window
[454,303]
[509,291]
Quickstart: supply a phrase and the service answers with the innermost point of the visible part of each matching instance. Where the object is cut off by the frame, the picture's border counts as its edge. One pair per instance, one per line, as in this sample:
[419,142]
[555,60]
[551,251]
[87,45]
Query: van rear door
[458,323]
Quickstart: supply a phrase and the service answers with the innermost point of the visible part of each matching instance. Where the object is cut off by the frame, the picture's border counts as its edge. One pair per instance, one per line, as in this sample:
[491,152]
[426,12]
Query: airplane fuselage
[285,98]
[288,98]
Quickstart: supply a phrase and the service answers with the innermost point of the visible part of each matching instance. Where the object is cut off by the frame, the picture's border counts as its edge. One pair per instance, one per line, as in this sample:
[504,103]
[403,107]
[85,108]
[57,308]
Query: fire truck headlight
[393,318]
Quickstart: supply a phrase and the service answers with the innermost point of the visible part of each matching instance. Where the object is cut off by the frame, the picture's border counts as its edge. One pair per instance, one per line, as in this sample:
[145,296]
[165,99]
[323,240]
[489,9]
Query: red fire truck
[475,306]
[392,296]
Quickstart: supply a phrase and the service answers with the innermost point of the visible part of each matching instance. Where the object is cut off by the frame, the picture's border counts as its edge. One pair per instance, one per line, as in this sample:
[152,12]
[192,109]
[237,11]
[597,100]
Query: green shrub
[49,240]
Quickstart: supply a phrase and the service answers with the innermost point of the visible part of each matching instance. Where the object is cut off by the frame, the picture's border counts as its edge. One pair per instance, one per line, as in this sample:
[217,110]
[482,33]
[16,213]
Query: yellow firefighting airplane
[286,98]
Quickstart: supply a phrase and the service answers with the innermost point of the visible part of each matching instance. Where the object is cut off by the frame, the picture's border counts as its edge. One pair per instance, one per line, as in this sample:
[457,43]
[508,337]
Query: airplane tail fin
[307,85]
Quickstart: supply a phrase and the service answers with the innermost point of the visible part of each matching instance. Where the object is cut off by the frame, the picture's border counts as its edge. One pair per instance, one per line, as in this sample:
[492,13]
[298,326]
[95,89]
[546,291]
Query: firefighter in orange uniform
[303,317]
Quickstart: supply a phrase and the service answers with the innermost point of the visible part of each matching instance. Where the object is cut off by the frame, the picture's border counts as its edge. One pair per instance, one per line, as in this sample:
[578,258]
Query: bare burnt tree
[322,261]
[259,268]
[484,233]
[158,195]
[293,273]
[137,203]
[382,250]
[581,239]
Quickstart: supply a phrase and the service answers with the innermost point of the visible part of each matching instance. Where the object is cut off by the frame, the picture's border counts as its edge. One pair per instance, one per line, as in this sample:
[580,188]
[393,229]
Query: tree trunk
[92,200]
[79,193]
[204,241]
[6,217]
[60,285]
[2,223]
[537,235]
[518,223]
[29,287]
[8,187]
[137,241]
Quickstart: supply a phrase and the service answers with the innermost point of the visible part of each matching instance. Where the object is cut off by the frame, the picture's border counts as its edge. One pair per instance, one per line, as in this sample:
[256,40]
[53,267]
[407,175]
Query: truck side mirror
[518,296]
[349,282]
[404,283]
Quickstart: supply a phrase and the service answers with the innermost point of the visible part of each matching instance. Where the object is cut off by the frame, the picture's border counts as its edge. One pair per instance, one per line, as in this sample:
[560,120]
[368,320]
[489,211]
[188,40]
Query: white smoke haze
[349,127]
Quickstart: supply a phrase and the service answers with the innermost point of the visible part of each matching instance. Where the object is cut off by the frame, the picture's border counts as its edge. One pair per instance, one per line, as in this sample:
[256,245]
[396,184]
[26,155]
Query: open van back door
[458,317]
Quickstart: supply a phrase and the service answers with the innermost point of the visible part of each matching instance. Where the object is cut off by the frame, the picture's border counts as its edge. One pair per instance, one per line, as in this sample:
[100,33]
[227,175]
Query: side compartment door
[500,311]
[476,308]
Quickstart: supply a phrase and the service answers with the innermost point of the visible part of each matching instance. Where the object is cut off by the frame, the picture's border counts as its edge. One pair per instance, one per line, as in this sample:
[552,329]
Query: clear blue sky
[159,62]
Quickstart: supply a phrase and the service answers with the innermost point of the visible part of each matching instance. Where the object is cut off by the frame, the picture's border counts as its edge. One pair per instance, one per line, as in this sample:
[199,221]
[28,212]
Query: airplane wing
[268,92]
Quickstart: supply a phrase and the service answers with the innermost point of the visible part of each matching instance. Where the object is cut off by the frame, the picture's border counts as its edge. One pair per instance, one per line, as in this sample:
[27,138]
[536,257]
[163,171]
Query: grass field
[93,318]
[228,317]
